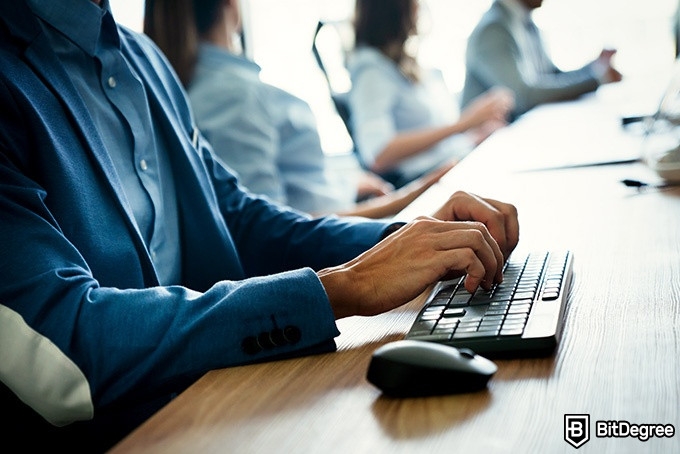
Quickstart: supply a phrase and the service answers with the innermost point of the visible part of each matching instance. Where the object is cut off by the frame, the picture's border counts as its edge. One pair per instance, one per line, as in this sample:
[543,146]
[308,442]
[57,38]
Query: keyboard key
[497,305]
[516,302]
[519,309]
[494,318]
[489,331]
[524,295]
[425,326]
[441,337]
[495,312]
[481,298]
[512,331]
[514,325]
[470,322]
[488,326]
[439,301]
[447,291]
[516,317]
[460,300]
[469,335]
[454,312]
[462,327]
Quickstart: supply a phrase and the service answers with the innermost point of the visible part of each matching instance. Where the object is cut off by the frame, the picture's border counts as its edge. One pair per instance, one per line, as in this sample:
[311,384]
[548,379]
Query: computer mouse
[411,368]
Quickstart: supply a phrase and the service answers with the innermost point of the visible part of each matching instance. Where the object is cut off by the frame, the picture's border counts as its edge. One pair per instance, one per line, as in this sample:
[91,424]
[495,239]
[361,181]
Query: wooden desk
[618,359]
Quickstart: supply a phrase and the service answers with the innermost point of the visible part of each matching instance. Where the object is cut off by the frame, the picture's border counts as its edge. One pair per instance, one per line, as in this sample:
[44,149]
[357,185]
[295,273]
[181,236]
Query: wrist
[599,71]
[336,282]
[463,124]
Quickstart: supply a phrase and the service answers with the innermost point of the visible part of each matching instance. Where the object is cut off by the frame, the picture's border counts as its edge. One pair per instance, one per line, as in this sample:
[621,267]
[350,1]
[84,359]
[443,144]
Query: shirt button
[143,165]
[112,82]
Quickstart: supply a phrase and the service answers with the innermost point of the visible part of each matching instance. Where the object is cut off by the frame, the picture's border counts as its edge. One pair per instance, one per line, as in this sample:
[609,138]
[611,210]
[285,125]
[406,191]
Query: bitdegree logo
[577,430]
[625,429]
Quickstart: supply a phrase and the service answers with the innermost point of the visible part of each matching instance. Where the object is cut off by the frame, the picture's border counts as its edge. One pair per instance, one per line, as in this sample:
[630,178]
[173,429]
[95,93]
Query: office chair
[329,53]
[332,64]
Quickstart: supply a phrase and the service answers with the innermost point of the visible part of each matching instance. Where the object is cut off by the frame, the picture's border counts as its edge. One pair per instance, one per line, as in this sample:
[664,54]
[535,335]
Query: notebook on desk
[522,316]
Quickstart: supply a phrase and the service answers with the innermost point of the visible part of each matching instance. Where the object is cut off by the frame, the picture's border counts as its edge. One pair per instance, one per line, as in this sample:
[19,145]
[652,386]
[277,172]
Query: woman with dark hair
[404,120]
[268,136]
[179,26]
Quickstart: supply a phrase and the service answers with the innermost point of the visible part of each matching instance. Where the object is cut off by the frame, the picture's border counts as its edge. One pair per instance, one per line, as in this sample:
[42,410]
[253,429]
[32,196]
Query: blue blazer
[82,315]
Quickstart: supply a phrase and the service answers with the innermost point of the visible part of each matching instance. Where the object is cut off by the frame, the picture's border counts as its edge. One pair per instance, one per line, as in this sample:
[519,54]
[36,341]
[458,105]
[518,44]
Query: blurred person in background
[505,49]
[405,121]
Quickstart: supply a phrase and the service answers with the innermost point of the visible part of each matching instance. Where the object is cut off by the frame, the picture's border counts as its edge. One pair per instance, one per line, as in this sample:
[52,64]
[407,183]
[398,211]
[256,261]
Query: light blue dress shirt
[383,103]
[116,97]
[265,134]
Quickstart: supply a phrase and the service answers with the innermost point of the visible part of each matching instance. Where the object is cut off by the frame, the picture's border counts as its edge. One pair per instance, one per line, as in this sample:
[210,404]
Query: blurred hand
[604,69]
[371,185]
[482,132]
[493,105]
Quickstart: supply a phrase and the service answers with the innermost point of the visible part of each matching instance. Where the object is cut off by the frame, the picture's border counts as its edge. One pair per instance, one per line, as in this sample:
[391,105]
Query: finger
[502,222]
[467,261]
[474,237]
[470,207]
[495,269]
[429,234]
[511,224]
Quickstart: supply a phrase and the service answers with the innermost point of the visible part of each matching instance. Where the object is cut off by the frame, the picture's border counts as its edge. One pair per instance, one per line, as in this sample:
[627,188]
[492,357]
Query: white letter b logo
[576,429]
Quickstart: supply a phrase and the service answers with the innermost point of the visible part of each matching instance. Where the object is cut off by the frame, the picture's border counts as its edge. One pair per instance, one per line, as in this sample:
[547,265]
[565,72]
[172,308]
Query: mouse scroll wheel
[466,352]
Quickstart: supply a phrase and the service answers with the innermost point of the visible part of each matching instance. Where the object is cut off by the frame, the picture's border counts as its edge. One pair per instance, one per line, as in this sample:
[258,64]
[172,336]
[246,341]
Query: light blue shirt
[117,100]
[265,134]
[383,103]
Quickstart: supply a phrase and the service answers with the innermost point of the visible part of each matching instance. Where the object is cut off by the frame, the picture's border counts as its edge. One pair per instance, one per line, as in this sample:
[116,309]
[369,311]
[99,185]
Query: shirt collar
[78,20]
[211,52]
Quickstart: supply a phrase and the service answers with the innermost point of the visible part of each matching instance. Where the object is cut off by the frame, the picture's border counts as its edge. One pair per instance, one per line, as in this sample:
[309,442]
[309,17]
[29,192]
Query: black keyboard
[522,316]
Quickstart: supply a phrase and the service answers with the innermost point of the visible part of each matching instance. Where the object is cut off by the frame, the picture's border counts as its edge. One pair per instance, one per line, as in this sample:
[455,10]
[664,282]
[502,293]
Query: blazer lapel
[44,61]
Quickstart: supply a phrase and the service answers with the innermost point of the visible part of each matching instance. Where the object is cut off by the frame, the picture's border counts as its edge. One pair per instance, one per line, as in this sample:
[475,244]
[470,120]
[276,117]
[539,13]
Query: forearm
[407,144]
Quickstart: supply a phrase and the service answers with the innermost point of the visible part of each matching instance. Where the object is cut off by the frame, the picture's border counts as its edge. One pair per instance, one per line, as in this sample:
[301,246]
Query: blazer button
[250,345]
[277,337]
[292,334]
[265,341]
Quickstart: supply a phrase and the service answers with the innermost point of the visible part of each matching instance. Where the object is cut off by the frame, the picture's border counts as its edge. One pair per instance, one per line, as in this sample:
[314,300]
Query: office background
[280,34]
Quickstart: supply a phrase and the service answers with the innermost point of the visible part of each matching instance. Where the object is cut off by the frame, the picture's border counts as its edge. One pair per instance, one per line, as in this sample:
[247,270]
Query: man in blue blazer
[132,262]
[505,49]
